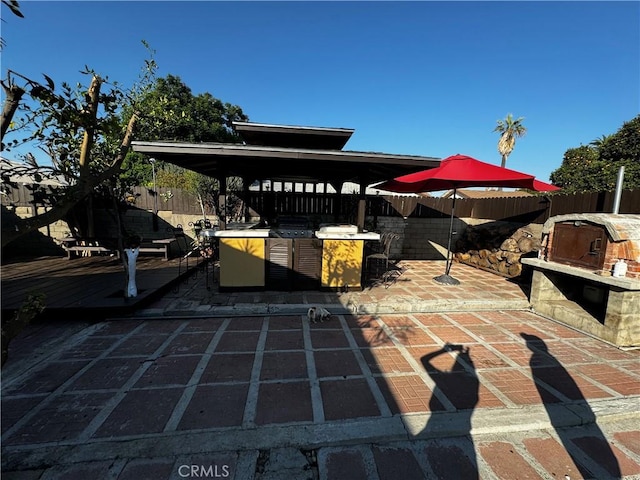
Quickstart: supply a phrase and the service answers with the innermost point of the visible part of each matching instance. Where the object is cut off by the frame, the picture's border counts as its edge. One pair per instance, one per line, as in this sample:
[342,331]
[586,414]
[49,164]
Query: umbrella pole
[447,279]
[453,208]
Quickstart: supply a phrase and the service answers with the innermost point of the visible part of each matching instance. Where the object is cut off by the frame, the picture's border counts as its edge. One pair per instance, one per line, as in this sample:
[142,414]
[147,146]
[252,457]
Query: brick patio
[147,383]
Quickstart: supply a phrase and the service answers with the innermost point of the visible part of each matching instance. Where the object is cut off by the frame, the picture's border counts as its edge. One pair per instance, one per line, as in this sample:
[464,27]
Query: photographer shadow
[454,398]
[590,443]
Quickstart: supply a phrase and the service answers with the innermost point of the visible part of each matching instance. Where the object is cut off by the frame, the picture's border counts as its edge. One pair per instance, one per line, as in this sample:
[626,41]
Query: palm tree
[601,141]
[509,130]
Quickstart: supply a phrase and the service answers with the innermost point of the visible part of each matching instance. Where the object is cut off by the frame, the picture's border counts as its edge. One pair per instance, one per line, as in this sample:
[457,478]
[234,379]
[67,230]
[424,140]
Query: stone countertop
[347,236]
[249,233]
[264,233]
[620,282]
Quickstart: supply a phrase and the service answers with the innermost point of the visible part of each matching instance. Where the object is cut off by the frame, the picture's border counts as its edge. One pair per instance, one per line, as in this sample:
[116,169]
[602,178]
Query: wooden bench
[70,244]
[73,249]
[160,245]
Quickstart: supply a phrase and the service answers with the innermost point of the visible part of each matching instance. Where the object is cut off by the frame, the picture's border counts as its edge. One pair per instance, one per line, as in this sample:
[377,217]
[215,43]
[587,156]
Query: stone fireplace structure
[573,278]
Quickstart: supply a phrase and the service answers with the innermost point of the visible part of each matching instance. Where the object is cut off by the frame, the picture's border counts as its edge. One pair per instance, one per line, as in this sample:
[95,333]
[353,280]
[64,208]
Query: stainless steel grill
[291,233]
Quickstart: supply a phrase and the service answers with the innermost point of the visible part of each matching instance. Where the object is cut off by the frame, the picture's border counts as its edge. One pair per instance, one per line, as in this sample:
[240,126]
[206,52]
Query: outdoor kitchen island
[295,259]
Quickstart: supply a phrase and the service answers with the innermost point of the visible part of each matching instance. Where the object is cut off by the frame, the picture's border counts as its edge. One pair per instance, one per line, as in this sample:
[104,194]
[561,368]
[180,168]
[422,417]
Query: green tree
[509,130]
[594,168]
[171,112]
[624,145]
[583,159]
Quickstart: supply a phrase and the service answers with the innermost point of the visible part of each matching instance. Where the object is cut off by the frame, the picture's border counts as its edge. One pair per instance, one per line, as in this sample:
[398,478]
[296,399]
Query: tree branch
[91,112]
[74,194]
[13,94]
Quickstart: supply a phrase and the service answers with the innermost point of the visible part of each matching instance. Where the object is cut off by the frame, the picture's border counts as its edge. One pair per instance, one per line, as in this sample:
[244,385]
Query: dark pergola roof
[255,162]
[287,153]
[289,136]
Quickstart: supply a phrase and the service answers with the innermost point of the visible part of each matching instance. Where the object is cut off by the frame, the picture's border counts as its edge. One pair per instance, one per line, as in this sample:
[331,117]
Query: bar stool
[381,257]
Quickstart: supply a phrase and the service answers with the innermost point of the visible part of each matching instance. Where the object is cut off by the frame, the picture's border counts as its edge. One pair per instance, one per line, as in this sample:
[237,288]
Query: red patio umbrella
[459,171]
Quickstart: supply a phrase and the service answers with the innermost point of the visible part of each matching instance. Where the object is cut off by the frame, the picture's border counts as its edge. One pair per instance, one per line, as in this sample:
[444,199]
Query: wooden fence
[534,209]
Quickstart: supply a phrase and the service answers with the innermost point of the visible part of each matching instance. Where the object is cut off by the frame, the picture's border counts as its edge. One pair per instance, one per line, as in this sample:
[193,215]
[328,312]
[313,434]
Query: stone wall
[140,222]
[420,238]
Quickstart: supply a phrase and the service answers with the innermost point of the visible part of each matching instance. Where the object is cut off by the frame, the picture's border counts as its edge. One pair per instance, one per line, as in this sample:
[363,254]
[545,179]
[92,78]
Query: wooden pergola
[282,153]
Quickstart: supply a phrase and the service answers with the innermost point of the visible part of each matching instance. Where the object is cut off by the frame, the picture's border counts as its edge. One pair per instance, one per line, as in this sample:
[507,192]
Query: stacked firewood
[496,248]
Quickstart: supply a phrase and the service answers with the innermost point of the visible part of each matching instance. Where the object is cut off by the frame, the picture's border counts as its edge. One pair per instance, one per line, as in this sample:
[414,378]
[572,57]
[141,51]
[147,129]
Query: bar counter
[263,258]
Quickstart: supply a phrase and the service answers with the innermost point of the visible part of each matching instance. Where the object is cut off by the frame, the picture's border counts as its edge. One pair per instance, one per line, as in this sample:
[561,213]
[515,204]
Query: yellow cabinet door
[242,262]
[342,263]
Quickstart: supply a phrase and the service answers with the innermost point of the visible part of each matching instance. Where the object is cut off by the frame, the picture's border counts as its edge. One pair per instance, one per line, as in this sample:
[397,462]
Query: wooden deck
[88,285]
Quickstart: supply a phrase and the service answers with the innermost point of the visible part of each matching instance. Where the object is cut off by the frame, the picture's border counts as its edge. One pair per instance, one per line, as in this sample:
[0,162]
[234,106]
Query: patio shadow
[548,373]
[457,389]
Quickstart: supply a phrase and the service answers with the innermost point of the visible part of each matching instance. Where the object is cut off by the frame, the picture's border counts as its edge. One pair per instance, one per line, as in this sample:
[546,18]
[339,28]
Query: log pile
[496,248]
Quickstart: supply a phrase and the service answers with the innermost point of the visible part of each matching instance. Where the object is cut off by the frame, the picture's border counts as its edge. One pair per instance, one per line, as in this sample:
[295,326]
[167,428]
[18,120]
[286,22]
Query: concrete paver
[450,394]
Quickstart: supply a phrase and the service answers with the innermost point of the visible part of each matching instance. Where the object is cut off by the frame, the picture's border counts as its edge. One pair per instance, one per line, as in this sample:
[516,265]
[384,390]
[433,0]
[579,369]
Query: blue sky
[422,78]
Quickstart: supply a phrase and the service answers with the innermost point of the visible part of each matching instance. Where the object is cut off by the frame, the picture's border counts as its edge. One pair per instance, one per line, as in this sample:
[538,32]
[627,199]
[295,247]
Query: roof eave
[238,150]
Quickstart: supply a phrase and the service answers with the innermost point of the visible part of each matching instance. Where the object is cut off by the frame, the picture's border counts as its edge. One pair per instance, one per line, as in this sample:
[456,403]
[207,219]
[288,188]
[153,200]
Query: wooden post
[245,188]
[222,203]
[362,204]
[338,211]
